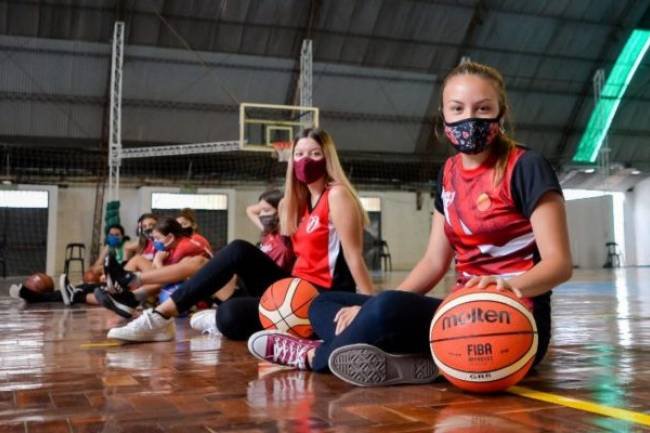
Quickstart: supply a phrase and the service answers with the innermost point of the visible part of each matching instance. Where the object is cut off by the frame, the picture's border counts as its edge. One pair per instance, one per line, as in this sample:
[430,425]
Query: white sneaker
[149,326]
[205,321]
[14,291]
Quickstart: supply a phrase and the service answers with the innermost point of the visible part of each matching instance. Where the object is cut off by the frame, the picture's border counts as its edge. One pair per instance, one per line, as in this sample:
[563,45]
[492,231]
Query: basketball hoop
[282,150]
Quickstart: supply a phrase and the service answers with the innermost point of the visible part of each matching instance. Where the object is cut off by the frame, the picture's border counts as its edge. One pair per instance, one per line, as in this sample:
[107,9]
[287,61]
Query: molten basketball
[285,306]
[91,277]
[39,282]
[483,340]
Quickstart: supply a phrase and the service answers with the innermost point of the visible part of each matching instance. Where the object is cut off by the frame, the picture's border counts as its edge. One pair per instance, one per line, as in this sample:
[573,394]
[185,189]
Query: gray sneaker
[367,365]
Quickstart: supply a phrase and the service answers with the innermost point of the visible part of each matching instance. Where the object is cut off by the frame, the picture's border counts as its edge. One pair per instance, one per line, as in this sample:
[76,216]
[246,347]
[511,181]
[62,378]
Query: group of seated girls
[499,214]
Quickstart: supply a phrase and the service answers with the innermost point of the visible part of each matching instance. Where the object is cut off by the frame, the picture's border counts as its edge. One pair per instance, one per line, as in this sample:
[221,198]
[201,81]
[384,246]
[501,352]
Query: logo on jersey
[312,224]
[266,248]
[483,202]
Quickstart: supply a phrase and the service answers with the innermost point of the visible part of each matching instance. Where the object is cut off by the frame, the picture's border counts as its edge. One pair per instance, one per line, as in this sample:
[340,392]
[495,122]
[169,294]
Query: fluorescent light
[161,200]
[619,78]
[589,170]
[24,199]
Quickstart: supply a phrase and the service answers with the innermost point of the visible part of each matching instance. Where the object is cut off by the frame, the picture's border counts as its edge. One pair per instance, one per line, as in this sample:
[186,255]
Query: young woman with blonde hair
[499,213]
[322,214]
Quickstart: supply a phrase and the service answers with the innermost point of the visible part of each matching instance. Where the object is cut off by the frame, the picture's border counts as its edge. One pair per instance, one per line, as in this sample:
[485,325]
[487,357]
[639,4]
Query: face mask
[159,245]
[188,231]
[309,170]
[113,241]
[269,222]
[474,135]
[147,233]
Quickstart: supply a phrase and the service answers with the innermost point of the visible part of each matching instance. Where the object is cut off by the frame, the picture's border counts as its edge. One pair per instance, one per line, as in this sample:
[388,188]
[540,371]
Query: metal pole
[115,121]
[306,63]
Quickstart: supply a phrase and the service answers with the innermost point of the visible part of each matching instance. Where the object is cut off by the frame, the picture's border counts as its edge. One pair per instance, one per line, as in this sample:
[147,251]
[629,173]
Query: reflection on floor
[58,373]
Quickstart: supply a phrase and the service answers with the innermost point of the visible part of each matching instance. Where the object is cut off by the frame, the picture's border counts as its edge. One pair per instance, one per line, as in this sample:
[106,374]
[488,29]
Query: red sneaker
[281,348]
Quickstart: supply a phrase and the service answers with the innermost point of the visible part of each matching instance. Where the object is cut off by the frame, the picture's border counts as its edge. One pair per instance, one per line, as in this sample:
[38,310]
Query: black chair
[613,257]
[384,256]
[74,252]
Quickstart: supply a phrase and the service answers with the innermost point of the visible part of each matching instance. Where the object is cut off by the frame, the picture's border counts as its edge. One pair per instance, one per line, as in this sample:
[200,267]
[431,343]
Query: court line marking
[583,405]
[107,343]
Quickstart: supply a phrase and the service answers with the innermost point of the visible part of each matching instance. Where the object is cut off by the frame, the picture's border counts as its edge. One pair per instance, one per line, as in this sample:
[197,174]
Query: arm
[435,262]
[253,213]
[552,237]
[342,206]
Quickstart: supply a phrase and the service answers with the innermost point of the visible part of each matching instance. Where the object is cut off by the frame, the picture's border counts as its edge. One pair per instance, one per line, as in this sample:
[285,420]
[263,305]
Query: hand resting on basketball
[484,281]
[344,317]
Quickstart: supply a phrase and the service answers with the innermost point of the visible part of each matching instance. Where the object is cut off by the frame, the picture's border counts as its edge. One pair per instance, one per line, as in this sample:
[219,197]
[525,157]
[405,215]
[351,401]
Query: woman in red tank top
[324,217]
[499,213]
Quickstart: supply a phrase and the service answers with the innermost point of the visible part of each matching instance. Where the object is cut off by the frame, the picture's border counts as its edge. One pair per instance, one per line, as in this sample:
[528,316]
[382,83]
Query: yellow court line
[107,343]
[586,406]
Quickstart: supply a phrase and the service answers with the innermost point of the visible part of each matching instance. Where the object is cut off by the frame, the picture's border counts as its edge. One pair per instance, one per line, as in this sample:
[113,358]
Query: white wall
[591,226]
[639,219]
[404,227]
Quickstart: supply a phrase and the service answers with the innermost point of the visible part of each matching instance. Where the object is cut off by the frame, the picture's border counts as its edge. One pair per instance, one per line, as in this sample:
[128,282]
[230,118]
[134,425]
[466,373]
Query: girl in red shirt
[499,212]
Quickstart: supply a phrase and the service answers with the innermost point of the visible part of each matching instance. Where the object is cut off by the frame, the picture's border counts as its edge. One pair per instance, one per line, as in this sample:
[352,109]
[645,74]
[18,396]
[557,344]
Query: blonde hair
[503,143]
[296,193]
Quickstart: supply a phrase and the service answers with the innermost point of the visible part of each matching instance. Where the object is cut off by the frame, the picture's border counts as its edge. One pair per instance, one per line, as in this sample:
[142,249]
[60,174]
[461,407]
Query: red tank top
[319,257]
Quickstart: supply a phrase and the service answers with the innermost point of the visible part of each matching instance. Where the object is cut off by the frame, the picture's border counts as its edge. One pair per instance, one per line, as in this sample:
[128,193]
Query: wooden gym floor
[58,373]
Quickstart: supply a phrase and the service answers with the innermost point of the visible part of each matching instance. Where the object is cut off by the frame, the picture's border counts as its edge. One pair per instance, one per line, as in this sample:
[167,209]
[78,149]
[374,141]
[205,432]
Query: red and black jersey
[488,224]
[319,254]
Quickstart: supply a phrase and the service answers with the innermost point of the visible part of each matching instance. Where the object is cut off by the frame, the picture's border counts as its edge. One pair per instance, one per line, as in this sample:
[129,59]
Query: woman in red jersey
[499,212]
[324,218]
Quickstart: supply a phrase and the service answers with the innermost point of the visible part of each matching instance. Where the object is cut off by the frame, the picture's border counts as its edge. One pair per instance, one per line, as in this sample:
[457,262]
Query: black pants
[237,318]
[394,321]
[34,297]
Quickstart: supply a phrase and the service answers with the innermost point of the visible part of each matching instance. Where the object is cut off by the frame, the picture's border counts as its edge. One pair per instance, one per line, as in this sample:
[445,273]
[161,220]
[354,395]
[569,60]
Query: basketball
[285,306]
[91,277]
[39,282]
[483,340]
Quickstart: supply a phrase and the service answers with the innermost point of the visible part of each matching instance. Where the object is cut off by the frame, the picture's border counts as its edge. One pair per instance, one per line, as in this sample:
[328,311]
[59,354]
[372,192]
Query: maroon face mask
[309,170]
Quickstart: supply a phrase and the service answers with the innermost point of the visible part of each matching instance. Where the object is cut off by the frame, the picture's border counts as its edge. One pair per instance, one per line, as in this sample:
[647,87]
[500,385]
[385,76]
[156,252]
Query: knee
[384,307]
[238,249]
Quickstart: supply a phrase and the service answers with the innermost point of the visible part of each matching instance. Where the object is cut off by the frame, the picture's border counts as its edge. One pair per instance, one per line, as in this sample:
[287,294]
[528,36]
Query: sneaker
[117,279]
[14,291]
[205,321]
[281,348]
[149,326]
[366,365]
[122,303]
[67,290]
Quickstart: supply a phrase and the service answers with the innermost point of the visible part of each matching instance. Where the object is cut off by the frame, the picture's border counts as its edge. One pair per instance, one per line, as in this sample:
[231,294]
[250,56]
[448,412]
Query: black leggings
[394,321]
[237,318]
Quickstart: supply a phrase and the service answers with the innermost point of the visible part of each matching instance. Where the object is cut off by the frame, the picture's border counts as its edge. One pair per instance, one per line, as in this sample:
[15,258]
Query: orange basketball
[285,306]
[91,277]
[39,282]
[483,340]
